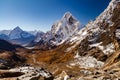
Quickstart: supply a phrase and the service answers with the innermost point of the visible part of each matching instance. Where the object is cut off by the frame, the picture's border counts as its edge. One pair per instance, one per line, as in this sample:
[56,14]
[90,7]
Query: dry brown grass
[57,55]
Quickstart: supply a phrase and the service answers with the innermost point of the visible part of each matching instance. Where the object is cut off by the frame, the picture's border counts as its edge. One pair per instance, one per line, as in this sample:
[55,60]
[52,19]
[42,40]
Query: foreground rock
[26,73]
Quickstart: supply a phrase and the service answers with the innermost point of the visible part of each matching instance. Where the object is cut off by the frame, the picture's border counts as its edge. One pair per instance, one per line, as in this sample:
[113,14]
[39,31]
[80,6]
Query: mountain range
[18,36]
[68,51]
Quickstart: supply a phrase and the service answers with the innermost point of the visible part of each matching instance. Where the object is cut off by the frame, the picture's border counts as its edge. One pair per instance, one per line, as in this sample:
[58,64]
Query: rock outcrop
[26,73]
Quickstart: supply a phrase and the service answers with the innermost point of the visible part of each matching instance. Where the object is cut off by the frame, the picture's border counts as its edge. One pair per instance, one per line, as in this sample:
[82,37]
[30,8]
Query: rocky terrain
[26,73]
[67,52]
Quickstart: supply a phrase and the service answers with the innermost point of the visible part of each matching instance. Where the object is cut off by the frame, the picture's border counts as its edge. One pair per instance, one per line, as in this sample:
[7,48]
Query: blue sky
[41,14]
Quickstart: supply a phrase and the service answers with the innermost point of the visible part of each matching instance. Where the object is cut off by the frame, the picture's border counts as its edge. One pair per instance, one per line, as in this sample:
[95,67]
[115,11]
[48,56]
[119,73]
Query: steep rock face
[60,31]
[64,28]
[98,37]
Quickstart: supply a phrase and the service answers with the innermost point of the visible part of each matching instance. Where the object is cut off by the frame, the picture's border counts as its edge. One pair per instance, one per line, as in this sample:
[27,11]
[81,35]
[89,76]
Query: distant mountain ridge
[18,36]
[4,45]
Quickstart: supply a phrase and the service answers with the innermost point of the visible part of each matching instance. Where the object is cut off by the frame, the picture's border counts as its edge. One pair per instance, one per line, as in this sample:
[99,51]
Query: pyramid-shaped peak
[17,28]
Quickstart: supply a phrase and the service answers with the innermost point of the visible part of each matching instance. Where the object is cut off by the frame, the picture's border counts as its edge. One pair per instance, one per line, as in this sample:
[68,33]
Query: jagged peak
[69,18]
[67,15]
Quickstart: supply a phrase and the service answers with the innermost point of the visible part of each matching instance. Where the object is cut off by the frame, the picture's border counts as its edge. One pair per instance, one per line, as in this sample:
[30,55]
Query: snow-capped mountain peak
[67,15]
[65,27]
[16,33]
[62,30]
[17,29]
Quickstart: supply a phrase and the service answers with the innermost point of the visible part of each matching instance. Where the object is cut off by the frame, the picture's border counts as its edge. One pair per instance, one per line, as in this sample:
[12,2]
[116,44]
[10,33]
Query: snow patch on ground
[84,33]
[118,33]
[87,61]
[77,38]
[108,49]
